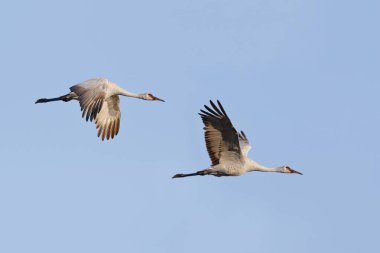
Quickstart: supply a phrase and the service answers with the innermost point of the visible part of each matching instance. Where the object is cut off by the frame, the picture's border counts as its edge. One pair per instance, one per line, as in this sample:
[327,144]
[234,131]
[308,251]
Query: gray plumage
[227,148]
[99,100]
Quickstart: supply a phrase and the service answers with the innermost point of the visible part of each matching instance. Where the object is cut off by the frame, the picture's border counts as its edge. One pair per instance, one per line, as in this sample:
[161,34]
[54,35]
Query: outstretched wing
[108,119]
[244,143]
[91,95]
[221,137]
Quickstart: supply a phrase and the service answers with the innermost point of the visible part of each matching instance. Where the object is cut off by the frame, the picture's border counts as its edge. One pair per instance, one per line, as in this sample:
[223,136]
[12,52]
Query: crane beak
[294,171]
[156,98]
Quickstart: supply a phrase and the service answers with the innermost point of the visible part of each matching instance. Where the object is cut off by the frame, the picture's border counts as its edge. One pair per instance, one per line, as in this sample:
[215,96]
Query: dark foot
[178,175]
[41,100]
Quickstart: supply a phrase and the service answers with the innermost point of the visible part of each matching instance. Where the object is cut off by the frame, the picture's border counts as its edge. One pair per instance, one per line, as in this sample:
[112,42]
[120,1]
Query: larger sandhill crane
[99,100]
[227,148]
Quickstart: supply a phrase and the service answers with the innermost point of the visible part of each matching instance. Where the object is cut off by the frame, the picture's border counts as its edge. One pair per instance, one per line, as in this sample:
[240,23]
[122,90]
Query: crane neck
[254,166]
[131,94]
[122,92]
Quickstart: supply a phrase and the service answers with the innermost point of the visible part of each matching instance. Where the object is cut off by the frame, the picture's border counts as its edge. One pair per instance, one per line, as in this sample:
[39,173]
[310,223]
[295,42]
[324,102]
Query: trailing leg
[65,98]
[198,173]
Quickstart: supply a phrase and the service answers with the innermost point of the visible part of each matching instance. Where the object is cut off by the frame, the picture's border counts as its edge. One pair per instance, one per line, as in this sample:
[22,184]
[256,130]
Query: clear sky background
[301,78]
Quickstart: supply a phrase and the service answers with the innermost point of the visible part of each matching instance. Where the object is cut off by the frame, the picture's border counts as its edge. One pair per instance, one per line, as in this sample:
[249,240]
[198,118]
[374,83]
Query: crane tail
[64,98]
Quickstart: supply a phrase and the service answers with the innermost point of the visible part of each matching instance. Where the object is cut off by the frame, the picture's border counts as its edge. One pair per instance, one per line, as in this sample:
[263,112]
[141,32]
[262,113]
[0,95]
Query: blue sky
[299,77]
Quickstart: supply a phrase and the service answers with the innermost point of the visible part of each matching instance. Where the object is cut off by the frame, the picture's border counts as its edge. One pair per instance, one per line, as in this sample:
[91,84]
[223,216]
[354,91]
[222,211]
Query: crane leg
[219,174]
[198,173]
[65,98]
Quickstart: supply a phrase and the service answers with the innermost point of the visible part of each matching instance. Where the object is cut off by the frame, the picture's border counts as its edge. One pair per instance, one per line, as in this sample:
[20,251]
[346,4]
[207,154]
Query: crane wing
[244,143]
[221,137]
[108,119]
[91,95]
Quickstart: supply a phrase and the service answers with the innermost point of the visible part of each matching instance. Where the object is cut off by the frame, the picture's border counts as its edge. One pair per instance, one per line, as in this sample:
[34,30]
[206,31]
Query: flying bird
[99,100]
[227,148]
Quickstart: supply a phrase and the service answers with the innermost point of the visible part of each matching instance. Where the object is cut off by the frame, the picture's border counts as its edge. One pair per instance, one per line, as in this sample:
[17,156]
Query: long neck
[254,166]
[130,94]
[120,91]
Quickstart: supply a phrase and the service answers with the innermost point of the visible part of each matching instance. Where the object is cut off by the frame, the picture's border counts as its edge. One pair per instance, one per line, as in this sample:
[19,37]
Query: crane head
[149,96]
[287,169]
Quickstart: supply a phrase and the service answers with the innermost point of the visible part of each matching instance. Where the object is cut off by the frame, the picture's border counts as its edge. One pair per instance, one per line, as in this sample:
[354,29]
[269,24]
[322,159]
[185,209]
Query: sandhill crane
[99,100]
[227,148]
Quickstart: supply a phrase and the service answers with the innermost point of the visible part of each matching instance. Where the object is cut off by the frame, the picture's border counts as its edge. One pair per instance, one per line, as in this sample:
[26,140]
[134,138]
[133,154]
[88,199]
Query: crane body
[227,148]
[99,101]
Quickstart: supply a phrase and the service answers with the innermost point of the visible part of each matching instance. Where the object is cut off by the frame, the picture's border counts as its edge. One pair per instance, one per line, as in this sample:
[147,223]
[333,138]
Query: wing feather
[108,119]
[244,143]
[91,94]
[221,137]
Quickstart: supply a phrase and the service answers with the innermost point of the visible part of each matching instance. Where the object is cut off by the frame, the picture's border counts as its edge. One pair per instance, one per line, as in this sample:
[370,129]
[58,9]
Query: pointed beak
[294,171]
[159,99]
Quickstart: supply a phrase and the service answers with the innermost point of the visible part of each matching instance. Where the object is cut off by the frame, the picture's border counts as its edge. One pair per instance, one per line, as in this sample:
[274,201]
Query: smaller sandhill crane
[227,148]
[99,100]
